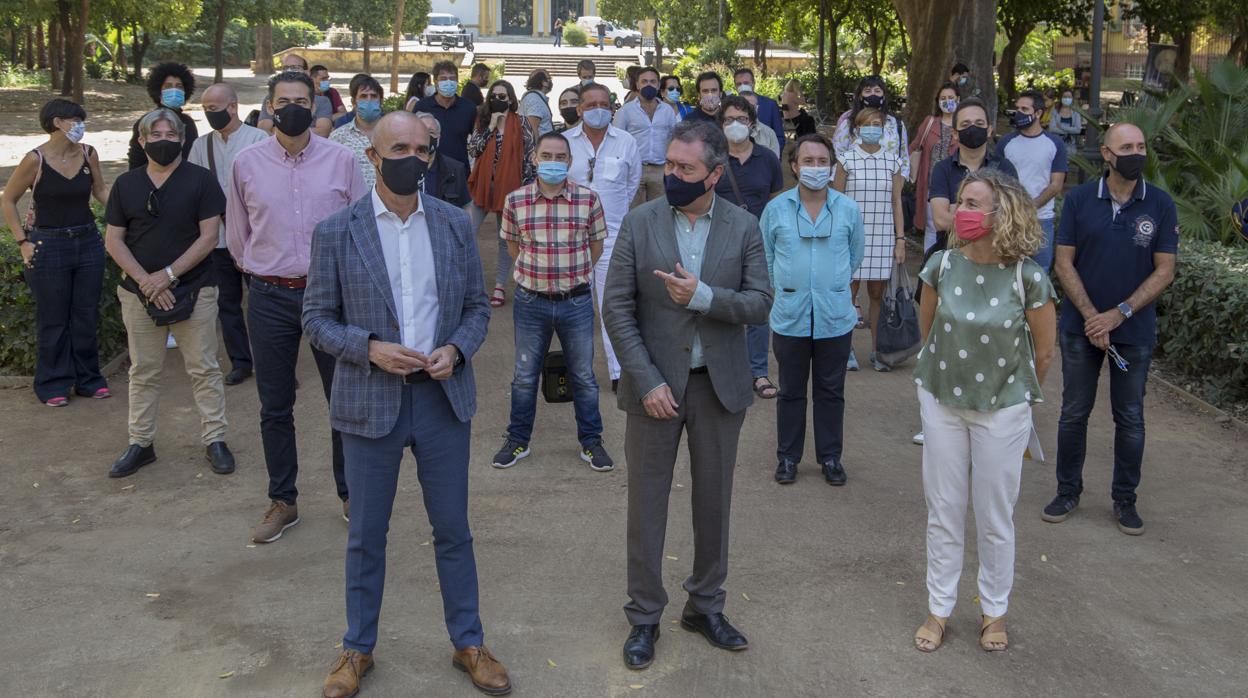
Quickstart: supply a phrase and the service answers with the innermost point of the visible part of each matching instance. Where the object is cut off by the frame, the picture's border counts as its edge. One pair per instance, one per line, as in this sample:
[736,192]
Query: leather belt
[416,377]
[561,296]
[71,232]
[293,283]
[698,371]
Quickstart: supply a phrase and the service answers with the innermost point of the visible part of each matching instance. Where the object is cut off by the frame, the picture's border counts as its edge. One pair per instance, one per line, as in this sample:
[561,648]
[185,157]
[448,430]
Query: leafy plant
[575,36]
[17,76]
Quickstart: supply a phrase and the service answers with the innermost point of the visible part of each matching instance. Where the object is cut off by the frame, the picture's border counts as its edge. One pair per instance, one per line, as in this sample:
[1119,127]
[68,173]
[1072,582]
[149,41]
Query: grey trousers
[650,446]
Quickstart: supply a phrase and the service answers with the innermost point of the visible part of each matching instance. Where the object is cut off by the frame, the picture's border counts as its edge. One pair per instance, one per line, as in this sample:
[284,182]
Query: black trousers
[796,356]
[230,282]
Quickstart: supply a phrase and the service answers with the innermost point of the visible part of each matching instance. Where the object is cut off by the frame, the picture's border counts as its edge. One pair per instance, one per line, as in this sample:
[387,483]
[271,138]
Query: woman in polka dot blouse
[988,317]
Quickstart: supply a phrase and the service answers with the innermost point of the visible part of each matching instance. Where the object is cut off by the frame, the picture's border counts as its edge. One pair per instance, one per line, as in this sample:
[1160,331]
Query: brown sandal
[992,632]
[933,631]
[764,388]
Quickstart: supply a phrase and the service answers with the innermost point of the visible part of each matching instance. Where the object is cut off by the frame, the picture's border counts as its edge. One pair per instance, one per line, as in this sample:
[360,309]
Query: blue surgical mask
[815,178]
[447,88]
[1067,101]
[368,110]
[673,95]
[76,132]
[597,117]
[552,172]
[870,135]
[948,106]
[173,97]
[324,86]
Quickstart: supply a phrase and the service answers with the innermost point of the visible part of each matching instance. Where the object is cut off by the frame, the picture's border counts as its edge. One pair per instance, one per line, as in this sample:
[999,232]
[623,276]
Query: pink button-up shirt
[275,201]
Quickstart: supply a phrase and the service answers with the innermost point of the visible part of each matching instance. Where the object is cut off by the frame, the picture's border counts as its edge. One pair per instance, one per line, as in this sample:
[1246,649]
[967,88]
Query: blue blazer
[349,301]
[769,113]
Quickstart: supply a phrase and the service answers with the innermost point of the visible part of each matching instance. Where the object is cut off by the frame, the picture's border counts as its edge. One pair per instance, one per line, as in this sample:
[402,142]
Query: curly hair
[1016,229]
[156,78]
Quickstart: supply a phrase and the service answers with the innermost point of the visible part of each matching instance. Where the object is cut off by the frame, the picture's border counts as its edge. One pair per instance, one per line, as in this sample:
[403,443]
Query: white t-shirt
[223,152]
[1036,158]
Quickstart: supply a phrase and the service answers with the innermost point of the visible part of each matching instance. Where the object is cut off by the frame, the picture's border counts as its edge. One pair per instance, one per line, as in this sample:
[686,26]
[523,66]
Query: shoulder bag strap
[732,180]
[29,223]
[212,161]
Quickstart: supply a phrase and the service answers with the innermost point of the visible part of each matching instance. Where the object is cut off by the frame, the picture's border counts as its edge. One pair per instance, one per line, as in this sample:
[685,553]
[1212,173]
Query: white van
[620,37]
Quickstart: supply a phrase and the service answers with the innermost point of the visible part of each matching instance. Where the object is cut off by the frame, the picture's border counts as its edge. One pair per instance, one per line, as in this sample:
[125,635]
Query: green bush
[1200,326]
[18,329]
[237,47]
[723,51]
[17,76]
[575,36]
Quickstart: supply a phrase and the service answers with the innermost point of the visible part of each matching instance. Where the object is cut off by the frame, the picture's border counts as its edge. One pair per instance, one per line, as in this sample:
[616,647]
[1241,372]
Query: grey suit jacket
[349,301]
[652,335]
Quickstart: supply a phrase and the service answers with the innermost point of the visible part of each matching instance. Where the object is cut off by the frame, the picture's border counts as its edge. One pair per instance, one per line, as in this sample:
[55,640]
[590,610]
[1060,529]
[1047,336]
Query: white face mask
[736,132]
[430,90]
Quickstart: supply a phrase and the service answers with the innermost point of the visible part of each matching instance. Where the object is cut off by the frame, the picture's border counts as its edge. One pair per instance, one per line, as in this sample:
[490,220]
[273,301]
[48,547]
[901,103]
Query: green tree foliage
[1019,18]
[1178,20]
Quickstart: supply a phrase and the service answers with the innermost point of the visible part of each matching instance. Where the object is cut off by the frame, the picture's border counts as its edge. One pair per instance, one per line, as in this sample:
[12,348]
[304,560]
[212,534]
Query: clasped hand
[1098,327]
[400,361]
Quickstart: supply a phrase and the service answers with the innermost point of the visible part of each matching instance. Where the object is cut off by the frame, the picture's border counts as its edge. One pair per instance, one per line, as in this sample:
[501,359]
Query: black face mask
[433,147]
[569,115]
[163,152]
[873,101]
[1024,121]
[293,119]
[403,176]
[649,92]
[499,105]
[218,119]
[681,193]
[973,136]
[1130,166]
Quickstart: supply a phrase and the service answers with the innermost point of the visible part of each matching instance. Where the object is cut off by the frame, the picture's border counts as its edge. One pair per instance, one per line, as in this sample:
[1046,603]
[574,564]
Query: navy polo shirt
[696,114]
[758,178]
[948,174]
[457,122]
[1114,252]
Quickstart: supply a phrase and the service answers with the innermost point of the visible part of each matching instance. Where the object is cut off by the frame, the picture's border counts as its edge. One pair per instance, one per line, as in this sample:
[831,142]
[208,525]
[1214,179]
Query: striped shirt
[554,235]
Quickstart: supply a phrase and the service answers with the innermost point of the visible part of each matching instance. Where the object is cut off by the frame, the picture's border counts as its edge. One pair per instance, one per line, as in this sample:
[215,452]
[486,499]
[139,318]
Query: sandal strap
[932,630]
[992,631]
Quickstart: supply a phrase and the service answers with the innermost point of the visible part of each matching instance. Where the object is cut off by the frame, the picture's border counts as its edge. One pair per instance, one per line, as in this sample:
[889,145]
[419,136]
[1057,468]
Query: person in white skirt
[871,175]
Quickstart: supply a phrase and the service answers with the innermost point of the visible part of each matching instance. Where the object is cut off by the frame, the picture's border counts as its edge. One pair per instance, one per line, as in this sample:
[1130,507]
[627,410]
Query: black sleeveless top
[61,202]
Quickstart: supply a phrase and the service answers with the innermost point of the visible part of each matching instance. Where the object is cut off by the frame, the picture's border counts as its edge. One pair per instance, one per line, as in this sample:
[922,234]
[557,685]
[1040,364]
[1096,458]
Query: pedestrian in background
[320,79]
[673,93]
[650,123]
[768,110]
[569,100]
[710,93]
[62,253]
[169,85]
[872,92]
[934,141]
[557,32]
[477,80]
[445,178]
[1040,159]
[535,104]
[1067,122]
[419,87]
[367,96]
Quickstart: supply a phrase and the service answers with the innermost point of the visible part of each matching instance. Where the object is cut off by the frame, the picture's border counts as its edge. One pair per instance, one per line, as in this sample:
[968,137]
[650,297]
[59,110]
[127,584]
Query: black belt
[73,231]
[417,377]
[698,371]
[561,296]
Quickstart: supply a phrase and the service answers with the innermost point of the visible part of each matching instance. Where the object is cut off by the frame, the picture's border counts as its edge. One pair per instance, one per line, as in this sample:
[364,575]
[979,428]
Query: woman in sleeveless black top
[63,253]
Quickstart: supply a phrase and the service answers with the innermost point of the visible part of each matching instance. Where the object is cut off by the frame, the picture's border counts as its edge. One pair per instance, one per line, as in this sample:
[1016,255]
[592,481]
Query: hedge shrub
[575,36]
[1202,327]
[17,313]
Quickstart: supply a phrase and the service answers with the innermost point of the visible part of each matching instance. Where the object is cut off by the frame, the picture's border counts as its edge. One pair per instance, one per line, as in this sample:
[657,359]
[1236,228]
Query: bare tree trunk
[67,43]
[1183,62]
[80,39]
[54,54]
[41,49]
[367,52]
[658,48]
[119,58]
[30,48]
[139,47]
[394,46]
[218,60]
[264,48]
[973,44]
[930,27]
[13,45]
[1017,37]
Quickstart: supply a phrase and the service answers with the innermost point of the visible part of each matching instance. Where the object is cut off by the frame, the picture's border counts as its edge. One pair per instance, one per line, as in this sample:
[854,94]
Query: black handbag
[184,299]
[555,385]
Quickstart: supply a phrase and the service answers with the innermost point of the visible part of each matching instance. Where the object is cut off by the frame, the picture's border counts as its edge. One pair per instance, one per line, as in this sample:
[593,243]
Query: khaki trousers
[197,340]
[651,186]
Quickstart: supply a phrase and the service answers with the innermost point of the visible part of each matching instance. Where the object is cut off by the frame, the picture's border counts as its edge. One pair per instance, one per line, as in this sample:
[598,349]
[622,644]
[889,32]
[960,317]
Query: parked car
[620,37]
[445,30]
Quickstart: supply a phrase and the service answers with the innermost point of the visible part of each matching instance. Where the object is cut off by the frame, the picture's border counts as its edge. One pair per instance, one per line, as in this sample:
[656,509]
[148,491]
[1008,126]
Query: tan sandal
[933,631]
[992,632]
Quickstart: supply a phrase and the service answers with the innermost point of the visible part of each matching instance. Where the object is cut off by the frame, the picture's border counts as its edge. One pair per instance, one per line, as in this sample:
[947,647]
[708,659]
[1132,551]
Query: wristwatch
[173,280]
[1126,310]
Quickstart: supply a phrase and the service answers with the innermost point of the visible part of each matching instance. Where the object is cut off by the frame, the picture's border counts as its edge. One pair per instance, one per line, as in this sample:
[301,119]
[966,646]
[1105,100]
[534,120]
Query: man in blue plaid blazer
[395,294]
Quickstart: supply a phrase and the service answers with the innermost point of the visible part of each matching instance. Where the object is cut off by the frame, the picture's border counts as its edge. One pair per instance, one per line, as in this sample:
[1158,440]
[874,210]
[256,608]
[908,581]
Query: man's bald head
[220,90]
[220,98]
[1120,133]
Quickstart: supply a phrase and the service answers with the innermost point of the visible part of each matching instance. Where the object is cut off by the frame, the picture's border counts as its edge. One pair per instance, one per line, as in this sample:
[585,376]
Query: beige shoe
[344,678]
[487,673]
[277,518]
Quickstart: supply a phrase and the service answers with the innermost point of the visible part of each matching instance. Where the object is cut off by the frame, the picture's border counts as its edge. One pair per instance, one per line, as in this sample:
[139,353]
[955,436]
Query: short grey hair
[155,116]
[711,136]
[427,117]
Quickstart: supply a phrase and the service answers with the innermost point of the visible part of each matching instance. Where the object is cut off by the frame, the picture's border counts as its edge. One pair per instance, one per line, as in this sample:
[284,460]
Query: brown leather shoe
[487,673]
[277,518]
[344,678]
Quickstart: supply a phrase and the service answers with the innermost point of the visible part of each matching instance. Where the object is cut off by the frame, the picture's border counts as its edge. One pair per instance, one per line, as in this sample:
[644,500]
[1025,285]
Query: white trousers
[975,455]
[600,286]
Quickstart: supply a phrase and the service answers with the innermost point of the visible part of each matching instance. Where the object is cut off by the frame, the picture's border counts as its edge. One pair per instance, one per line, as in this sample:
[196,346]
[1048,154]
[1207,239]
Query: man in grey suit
[689,274]
[395,296]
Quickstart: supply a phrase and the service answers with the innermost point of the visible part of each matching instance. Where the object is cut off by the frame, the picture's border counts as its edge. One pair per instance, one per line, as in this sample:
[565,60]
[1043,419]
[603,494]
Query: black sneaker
[511,452]
[1060,508]
[1129,521]
[597,458]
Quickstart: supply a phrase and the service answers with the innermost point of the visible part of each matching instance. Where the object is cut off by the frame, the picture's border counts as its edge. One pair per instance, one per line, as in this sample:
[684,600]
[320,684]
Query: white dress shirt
[616,171]
[651,133]
[223,152]
[408,252]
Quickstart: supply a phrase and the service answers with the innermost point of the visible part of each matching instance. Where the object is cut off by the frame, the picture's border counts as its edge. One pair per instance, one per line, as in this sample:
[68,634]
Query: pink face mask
[969,225]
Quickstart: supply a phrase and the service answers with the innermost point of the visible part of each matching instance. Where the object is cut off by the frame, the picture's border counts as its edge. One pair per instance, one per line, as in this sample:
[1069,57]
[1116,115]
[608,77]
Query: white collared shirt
[616,167]
[408,252]
[223,152]
[651,133]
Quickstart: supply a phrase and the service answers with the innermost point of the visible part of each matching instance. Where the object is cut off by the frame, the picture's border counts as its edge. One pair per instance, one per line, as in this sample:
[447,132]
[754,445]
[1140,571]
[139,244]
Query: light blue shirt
[651,133]
[811,264]
[691,241]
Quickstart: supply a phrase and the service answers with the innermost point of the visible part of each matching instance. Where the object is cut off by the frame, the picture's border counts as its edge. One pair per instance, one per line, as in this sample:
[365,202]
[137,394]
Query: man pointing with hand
[688,274]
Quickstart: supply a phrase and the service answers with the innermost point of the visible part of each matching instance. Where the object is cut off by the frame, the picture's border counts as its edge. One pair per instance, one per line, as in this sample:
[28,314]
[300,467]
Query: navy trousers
[427,425]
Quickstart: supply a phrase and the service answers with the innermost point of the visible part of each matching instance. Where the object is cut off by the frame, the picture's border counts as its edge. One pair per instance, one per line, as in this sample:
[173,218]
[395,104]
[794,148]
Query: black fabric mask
[163,152]
[433,147]
[873,101]
[403,176]
[1023,121]
[1130,166]
[499,105]
[569,115]
[681,193]
[293,119]
[973,136]
[218,119]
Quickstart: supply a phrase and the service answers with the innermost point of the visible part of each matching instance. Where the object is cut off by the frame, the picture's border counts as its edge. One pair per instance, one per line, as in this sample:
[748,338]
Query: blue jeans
[66,279]
[1044,255]
[536,319]
[427,425]
[756,337]
[1081,370]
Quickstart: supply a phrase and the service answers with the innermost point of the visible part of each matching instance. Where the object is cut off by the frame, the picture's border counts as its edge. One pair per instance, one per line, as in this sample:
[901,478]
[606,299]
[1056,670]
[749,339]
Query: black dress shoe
[237,376]
[615,385]
[639,647]
[786,472]
[218,454]
[135,457]
[834,473]
[716,629]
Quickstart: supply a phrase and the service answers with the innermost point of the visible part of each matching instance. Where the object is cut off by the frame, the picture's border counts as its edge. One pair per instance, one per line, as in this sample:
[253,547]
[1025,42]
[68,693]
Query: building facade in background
[514,17]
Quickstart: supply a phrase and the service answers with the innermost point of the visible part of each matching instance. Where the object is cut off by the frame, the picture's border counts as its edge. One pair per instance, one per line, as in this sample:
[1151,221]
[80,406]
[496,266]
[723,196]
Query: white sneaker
[918,438]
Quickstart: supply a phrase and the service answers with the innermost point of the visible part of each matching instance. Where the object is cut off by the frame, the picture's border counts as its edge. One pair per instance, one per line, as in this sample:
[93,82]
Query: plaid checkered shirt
[554,235]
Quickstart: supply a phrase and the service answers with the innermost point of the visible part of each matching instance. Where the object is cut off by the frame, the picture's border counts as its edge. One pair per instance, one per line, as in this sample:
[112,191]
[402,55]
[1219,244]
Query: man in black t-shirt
[162,224]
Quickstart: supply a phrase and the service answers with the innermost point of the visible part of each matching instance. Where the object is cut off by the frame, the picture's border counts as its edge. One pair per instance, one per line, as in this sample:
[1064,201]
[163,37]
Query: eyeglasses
[591,168]
[745,120]
[1120,362]
[153,204]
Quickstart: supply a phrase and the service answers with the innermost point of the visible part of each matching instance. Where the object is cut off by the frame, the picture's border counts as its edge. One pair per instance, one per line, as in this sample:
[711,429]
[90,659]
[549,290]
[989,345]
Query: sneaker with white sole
[510,454]
[852,364]
[597,458]
[918,438]
[277,518]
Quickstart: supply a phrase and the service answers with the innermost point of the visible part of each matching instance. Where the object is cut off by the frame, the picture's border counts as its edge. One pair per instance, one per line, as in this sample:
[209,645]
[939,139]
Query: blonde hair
[867,113]
[1016,229]
[793,86]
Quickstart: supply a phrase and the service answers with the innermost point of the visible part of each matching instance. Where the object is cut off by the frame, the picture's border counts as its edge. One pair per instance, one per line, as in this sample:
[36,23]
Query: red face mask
[969,225]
